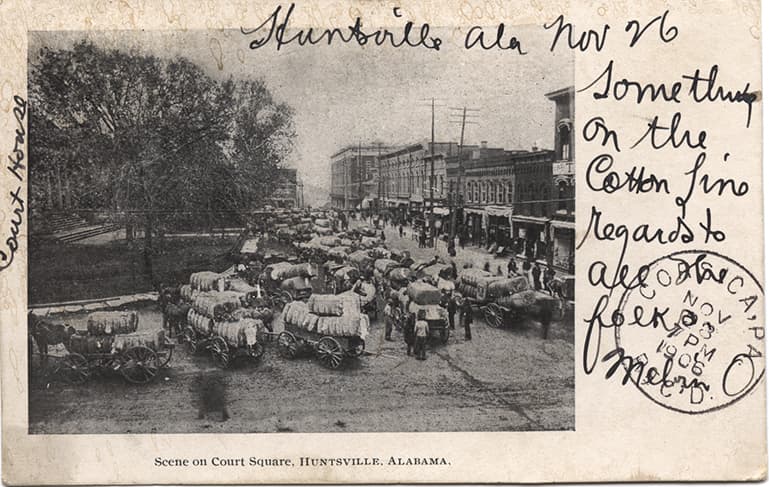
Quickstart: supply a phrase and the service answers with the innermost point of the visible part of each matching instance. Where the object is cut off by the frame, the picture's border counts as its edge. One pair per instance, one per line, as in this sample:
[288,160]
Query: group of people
[416,329]
[538,279]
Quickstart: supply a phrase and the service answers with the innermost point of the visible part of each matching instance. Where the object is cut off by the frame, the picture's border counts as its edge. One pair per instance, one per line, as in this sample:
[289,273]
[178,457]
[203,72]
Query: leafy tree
[150,137]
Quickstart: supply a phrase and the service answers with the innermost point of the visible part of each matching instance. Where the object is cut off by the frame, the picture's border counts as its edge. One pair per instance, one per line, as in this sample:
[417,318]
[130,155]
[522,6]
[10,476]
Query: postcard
[475,241]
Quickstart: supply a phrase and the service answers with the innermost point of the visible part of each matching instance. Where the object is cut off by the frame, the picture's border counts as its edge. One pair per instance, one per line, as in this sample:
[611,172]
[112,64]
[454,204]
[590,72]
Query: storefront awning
[499,210]
[477,211]
[441,211]
[562,224]
[529,219]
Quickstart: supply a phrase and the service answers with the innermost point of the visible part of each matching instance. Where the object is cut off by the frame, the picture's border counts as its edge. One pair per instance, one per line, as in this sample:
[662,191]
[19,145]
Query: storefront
[530,237]
[499,226]
[476,223]
[562,236]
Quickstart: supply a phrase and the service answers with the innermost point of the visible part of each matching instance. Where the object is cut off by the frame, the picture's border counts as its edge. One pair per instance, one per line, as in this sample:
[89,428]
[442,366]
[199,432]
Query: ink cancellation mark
[693,337]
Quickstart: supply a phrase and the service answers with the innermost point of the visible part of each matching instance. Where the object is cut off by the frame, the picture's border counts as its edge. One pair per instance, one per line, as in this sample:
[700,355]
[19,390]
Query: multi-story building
[411,175]
[354,175]
[562,222]
[505,197]
[289,190]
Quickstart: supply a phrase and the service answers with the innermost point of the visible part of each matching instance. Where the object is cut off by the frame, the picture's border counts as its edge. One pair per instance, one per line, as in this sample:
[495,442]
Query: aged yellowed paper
[381,242]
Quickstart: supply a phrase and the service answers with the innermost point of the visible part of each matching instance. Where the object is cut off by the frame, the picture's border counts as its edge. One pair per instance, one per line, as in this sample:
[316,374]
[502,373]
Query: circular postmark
[692,336]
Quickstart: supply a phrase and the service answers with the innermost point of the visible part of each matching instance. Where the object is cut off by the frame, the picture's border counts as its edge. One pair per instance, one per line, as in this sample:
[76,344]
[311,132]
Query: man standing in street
[421,330]
[408,333]
[451,308]
[388,316]
[400,230]
[535,273]
[467,315]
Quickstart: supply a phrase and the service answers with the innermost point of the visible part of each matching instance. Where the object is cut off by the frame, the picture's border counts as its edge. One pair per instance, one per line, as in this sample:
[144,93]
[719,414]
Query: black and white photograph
[229,236]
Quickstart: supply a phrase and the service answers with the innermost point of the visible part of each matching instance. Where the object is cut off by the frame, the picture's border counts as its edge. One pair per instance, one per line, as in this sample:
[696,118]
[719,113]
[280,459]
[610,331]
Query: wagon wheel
[329,352]
[164,355]
[140,365]
[287,345]
[74,369]
[490,315]
[188,338]
[256,351]
[220,352]
[499,316]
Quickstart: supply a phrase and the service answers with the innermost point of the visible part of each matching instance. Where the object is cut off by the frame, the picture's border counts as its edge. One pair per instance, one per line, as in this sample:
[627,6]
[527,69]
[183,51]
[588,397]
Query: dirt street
[501,380]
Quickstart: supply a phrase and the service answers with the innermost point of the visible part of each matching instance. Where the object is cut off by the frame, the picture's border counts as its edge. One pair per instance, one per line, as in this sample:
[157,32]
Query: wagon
[136,356]
[505,301]
[332,339]
[365,292]
[284,282]
[506,311]
[361,260]
[344,278]
[225,341]
[422,296]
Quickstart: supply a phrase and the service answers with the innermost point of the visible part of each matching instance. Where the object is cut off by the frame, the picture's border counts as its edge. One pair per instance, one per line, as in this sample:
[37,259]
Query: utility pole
[461,170]
[459,194]
[432,154]
[380,177]
[360,177]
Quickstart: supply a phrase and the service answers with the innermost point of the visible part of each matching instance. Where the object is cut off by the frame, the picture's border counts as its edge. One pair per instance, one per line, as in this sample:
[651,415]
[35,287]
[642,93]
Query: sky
[344,94]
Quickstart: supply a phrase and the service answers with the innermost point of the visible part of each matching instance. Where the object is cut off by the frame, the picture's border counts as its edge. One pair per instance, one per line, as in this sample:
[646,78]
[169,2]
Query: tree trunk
[67,193]
[148,227]
[48,192]
[59,193]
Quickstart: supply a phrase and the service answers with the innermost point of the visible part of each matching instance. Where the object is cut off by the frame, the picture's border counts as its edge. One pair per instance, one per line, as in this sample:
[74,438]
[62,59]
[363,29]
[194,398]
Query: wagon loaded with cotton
[218,323]
[506,301]
[332,327]
[421,296]
[284,282]
[112,342]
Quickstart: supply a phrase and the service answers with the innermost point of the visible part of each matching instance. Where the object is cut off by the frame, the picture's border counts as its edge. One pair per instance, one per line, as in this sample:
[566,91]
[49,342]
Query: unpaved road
[501,380]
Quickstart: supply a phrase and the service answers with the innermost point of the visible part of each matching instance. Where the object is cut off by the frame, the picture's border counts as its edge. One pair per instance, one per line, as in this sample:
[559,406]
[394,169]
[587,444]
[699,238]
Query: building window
[562,191]
[564,137]
[500,193]
[483,192]
[509,193]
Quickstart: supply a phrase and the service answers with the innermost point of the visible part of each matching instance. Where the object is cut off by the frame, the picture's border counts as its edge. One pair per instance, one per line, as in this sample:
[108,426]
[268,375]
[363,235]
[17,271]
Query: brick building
[289,190]
[354,175]
[562,217]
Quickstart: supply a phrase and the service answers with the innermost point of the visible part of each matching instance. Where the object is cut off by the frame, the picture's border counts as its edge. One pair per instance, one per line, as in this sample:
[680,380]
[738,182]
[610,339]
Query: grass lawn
[67,272]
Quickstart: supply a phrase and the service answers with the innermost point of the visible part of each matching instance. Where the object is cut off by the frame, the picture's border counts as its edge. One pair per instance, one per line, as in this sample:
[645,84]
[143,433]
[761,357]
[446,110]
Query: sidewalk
[473,255]
[91,304]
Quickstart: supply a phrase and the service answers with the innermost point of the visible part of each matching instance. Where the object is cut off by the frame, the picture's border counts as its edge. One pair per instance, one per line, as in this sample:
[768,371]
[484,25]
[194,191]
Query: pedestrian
[388,316]
[400,230]
[408,333]
[536,272]
[451,249]
[467,315]
[421,329]
[451,308]
[453,270]
[487,266]
[382,235]
[548,278]
[512,267]
[499,271]
[422,238]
